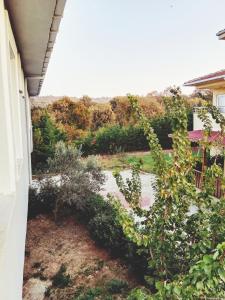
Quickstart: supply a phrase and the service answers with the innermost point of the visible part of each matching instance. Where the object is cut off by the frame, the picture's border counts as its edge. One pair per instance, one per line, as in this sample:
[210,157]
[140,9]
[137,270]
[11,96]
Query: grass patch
[126,160]
[116,286]
[104,291]
[90,294]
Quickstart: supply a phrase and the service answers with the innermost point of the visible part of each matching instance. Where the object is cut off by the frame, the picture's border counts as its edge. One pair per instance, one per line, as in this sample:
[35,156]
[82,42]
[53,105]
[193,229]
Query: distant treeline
[101,128]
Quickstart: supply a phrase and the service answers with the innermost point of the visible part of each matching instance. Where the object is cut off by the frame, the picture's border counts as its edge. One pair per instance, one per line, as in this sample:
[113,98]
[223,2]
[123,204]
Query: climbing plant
[184,223]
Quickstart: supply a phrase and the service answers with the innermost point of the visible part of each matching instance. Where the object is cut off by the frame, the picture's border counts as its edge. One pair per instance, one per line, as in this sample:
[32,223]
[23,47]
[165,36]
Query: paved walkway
[147,181]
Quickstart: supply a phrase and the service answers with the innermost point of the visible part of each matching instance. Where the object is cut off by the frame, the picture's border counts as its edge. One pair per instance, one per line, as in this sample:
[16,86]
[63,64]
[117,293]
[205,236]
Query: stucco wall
[15,166]
[197,122]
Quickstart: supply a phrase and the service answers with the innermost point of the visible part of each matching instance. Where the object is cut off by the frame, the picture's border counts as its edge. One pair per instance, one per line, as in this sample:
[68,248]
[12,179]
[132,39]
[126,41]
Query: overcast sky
[115,47]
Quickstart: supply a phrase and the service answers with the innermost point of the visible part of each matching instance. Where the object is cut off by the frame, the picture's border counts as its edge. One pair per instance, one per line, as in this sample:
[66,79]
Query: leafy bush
[103,226]
[61,279]
[90,294]
[42,197]
[114,139]
[100,217]
[205,279]
[139,294]
[76,181]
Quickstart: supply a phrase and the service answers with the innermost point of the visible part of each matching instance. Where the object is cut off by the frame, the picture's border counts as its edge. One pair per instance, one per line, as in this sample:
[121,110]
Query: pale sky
[115,47]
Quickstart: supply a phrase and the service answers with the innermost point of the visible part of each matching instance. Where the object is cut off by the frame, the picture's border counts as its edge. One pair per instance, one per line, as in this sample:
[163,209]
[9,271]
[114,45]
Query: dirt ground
[48,246]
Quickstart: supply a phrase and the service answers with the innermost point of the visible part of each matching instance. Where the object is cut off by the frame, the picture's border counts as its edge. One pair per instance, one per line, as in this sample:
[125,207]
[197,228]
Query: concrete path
[147,181]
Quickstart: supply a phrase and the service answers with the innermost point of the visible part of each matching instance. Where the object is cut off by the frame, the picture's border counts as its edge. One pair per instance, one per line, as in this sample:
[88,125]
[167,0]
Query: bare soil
[48,246]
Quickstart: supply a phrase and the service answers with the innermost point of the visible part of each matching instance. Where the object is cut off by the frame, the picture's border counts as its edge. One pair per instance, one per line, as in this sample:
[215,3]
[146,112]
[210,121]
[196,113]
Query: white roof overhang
[35,24]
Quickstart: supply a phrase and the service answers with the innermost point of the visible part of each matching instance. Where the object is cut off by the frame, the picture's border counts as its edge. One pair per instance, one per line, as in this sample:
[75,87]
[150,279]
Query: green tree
[46,135]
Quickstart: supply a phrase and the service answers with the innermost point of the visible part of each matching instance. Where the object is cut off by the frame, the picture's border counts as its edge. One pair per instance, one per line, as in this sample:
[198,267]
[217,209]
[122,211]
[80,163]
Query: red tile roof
[198,135]
[204,79]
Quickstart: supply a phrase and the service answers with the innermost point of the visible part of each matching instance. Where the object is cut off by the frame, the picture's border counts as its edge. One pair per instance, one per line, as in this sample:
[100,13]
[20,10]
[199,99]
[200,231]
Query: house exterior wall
[197,123]
[15,164]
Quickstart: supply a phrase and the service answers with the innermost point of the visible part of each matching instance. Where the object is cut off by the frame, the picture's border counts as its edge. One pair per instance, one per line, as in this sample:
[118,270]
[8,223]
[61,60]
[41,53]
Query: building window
[221,103]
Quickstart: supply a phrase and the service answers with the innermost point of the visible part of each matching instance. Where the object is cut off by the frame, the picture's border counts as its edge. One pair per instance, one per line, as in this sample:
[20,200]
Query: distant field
[125,160]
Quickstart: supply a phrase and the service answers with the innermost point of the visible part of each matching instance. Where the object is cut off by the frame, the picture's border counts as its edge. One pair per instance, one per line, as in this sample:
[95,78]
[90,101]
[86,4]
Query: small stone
[35,289]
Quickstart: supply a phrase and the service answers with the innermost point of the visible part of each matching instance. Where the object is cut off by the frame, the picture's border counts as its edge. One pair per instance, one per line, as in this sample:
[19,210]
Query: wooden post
[204,158]
[223,162]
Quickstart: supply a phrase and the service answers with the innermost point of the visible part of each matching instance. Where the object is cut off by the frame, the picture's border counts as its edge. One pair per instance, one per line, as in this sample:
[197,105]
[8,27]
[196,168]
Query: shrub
[116,286]
[90,294]
[139,294]
[205,280]
[114,139]
[100,217]
[42,197]
[102,224]
[60,279]
[77,181]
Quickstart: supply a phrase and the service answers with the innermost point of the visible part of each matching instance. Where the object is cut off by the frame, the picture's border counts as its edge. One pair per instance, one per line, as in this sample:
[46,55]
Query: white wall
[197,123]
[15,166]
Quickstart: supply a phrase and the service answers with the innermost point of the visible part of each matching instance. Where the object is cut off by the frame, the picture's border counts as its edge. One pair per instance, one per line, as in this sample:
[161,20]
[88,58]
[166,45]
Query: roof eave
[205,81]
[221,34]
[35,62]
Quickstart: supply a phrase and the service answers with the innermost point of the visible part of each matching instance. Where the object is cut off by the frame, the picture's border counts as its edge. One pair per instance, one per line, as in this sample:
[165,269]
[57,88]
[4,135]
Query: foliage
[62,110]
[102,224]
[76,181]
[90,294]
[174,237]
[138,294]
[205,95]
[42,197]
[101,115]
[61,279]
[205,279]
[114,139]
[100,217]
[45,137]
[76,114]
[81,122]
[116,286]
[81,115]
[123,109]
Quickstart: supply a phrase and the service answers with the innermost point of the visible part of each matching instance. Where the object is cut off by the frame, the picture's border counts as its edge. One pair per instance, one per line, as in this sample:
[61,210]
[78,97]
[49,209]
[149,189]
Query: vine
[171,234]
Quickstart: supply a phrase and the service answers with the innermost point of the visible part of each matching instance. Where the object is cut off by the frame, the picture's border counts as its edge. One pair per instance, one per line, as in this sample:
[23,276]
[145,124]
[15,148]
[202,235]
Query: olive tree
[77,178]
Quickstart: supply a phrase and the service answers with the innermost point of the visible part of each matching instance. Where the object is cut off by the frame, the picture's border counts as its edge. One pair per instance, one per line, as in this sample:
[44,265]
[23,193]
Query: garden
[89,246]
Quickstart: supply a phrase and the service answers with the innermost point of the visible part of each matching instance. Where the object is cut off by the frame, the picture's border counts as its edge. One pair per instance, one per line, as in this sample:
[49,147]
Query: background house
[216,83]
[28,29]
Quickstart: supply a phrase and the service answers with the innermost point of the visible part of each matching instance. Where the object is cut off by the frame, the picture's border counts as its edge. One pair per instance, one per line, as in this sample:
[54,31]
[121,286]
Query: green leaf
[177,290]
[215,255]
[199,285]
[207,259]
[221,273]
